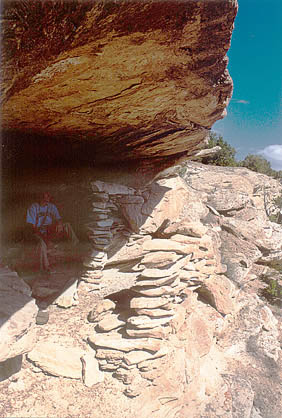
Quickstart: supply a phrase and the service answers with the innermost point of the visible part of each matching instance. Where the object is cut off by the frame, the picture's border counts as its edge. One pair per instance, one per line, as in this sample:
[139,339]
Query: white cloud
[273,153]
[242,101]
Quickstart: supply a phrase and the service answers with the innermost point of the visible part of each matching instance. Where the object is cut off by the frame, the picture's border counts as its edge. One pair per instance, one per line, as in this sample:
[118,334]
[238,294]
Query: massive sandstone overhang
[114,80]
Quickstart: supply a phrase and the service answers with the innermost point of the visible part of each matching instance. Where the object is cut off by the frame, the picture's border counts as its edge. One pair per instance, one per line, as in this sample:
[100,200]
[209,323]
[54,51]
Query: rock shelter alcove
[101,101]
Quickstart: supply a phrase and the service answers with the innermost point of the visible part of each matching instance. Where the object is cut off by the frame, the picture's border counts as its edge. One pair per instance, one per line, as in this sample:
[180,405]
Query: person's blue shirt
[42,216]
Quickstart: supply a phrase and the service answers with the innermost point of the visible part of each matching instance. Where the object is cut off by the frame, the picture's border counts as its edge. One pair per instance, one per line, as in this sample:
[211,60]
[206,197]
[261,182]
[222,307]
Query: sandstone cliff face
[133,79]
[247,235]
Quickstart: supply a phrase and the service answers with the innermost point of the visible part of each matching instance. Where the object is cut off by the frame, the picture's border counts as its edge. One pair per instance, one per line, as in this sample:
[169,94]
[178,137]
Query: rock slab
[17,316]
[57,359]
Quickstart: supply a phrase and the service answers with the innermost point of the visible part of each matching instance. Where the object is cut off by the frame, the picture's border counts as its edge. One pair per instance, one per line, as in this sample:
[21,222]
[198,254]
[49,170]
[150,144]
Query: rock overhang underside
[120,80]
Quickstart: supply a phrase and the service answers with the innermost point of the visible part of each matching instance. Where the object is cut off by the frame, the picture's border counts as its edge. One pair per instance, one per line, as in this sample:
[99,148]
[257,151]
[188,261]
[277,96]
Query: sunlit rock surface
[17,316]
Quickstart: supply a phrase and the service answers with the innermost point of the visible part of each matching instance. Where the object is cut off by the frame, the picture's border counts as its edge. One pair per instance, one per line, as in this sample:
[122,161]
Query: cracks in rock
[206,296]
[162,135]
[114,96]
[229,213]
[120,93]
[229,230]
[6,91]
[52,124]
[159,136]
[265,251]
[153,136]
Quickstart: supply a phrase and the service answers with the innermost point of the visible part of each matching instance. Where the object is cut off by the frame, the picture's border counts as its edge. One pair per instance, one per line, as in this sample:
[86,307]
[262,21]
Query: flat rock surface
[57,359]
[33,393]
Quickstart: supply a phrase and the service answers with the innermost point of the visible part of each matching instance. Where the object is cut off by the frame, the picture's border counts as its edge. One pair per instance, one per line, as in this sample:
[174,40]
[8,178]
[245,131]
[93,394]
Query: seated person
[47,226]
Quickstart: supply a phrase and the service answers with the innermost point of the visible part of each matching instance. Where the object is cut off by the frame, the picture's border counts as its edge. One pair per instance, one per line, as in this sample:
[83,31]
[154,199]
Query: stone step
[144,321]
[117,342]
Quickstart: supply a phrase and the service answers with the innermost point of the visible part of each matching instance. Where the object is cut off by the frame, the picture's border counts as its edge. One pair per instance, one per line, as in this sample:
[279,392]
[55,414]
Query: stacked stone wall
[174,261]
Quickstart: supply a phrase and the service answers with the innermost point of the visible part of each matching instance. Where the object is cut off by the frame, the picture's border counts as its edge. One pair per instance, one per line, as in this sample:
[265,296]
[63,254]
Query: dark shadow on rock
[70,187]
[10,367]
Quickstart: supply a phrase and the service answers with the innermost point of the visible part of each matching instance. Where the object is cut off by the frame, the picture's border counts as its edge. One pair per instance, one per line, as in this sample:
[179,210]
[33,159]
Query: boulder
[204,243]
[219,292]
[57,359]
[262,235]
[103,306]
[92,276]
[178,319]
[100,206]
[131,200]
[228,201]
[238,255]
[221,182]
[242,397]
[133,215]
[165,396]
[154,273]
[192,229]
[100,196]
[170,200]
[17,316]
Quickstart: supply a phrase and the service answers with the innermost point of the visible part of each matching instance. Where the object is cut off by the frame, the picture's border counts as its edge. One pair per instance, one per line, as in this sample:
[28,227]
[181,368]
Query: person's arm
[57,216]
[31,220]
[60,226]
[37,232]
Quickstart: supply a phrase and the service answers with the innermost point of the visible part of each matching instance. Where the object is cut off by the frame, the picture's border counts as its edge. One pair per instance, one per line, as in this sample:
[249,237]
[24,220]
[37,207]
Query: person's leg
[70,233]
[42,247]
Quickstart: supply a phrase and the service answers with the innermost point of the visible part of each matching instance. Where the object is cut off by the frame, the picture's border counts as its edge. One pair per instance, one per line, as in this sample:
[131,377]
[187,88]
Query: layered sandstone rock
[134,79]
[246,233]
[173,241]
[57,359]
[161,240]
[181,328]
[17,316]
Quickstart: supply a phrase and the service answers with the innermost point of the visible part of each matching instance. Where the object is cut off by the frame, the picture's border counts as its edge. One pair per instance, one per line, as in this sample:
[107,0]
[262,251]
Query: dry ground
[31,393]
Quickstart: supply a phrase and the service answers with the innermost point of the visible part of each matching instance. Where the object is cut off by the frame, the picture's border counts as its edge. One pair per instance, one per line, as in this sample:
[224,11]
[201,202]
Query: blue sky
[253,124]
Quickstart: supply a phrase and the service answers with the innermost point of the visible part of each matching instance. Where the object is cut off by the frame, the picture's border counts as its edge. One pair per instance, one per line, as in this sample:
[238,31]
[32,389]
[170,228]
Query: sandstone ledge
[133,79]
